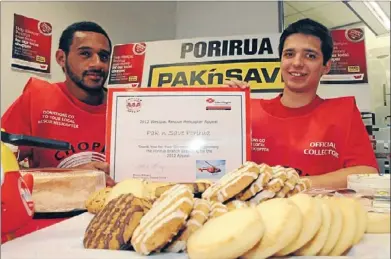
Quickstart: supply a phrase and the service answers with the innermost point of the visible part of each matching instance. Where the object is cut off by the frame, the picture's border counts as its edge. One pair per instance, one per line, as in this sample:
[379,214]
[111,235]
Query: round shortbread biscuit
[378,223]
[317,242]
[236,204]
[97,200]
[264,177]
[198,216]
[217,209]
[228,236]
[113,226]
[163,221]
[283,221]
[232,183]
[311,210]
[362,221]
[349,224]
[335,227]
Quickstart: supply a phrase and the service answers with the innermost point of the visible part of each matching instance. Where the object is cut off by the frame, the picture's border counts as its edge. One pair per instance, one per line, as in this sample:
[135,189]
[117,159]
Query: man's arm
[338,179]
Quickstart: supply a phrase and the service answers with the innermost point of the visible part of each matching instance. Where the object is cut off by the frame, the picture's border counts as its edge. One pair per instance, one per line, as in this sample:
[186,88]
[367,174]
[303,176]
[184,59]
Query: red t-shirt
[50,111]
[321,137]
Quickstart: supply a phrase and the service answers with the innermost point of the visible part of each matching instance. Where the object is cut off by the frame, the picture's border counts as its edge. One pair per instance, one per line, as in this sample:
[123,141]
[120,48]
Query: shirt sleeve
[359,150]
[17,119]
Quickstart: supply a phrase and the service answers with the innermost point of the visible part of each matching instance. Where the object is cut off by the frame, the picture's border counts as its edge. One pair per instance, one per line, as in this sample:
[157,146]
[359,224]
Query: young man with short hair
[72,111]
[324,139]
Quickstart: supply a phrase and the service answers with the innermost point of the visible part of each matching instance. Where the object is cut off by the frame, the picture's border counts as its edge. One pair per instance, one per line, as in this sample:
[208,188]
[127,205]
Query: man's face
[87,62]
[302,63]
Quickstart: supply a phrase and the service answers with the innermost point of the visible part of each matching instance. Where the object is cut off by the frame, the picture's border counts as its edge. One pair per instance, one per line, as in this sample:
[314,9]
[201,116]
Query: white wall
[123,21]
[220,18]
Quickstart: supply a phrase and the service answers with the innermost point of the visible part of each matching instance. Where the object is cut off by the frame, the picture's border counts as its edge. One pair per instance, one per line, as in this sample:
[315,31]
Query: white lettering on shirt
[259,144]
[321,149]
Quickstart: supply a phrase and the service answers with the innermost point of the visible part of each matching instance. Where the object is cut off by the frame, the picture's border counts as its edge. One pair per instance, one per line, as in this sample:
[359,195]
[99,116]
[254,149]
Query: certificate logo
[213,104]
[133,104]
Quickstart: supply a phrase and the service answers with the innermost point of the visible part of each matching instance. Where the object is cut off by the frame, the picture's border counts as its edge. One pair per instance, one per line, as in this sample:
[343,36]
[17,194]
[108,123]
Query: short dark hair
[310,27]
[67,35]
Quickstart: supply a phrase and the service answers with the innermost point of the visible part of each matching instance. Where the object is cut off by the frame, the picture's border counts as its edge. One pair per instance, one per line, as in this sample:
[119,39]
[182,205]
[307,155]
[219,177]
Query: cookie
[335,227]
[264,177]
[362,221]
[236,204]
[232,183]
[349,225]
[302,185]
[315,244]
[290,183]
[275,184]
[113,226]
[217,209]
[378,223]
[228,236]
[311,210]
[198,216]
[97,200]
[133,186]
[164,220]
[283,221]
[196,188]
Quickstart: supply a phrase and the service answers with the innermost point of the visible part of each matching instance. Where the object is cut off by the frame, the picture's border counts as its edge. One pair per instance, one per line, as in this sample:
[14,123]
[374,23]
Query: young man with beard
[73,110]
[324,139]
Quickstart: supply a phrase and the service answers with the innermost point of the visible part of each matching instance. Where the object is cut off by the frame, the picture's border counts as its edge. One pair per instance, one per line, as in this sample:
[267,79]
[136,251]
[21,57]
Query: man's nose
[298,61]
[96,61]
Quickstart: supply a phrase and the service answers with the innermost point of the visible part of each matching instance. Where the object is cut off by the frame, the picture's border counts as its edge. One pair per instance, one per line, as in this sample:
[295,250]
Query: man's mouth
[297,74]
[95,76]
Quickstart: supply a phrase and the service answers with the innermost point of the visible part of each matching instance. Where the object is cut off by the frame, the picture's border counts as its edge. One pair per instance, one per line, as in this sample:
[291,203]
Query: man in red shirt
[324,139]
[72,111]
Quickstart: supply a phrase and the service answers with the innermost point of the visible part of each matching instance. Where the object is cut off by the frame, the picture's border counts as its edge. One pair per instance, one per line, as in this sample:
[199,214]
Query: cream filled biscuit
[164,220]
[232,183]
[264,177]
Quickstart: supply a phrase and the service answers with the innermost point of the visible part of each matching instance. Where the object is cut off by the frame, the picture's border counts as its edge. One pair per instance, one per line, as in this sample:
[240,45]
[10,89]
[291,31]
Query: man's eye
[288,54]
[104,57]
[311,56]
[85,53]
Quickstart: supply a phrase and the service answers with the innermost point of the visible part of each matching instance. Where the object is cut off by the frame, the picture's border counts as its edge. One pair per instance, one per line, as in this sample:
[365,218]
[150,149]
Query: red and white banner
[349,65]
[31,46]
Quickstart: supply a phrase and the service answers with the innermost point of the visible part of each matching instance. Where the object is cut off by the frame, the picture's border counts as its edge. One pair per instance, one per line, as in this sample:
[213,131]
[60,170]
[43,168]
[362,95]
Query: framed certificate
[177,134]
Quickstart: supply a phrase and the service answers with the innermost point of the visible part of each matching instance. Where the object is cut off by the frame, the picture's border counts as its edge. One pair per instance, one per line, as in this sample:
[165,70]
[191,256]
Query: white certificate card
[176,135]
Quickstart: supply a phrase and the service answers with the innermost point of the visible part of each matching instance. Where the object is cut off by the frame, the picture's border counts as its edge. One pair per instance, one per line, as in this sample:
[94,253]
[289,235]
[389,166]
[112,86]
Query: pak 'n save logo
[133,104]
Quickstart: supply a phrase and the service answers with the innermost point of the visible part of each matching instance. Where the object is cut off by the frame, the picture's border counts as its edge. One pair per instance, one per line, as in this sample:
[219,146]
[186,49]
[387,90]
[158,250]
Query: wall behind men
[123,21]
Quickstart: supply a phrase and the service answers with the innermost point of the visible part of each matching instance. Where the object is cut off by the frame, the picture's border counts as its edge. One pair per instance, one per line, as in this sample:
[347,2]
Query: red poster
[127,64]
[31,47]
[349,65]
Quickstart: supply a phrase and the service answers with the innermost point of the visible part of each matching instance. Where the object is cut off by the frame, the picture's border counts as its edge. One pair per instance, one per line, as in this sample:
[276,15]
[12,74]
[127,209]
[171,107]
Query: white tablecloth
[65,240]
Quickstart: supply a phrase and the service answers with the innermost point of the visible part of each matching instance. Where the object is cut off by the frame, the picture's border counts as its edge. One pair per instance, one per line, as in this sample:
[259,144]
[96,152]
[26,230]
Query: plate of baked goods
[63,192]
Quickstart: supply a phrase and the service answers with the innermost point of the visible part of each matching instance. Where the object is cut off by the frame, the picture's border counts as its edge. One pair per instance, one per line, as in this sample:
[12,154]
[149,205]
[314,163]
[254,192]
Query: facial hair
[80,81]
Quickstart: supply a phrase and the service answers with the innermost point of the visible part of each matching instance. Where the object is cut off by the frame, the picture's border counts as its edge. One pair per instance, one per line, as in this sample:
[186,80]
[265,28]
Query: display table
[65,240]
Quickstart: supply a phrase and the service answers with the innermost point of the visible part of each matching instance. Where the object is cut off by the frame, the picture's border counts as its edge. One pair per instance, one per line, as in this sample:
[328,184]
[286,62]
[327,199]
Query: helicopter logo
[210,169]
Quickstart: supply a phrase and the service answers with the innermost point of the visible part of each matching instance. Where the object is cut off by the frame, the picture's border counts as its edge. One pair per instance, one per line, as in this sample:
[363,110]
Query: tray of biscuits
[255,211]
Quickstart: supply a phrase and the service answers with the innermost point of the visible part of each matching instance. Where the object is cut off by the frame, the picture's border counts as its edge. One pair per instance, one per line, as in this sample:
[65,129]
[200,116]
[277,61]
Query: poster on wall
[349,64]
[31,46]
[198,62]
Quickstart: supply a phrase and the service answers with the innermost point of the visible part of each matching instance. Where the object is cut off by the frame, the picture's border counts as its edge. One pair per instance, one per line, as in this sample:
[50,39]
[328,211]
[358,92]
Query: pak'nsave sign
[198,62]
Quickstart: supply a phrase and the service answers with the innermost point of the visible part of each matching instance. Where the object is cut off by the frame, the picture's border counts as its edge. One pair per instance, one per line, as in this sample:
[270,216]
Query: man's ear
[61,58]
[327,67]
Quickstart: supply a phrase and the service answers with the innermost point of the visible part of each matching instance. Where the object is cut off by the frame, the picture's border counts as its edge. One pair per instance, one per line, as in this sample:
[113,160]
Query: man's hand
[102,166]
[237,84]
